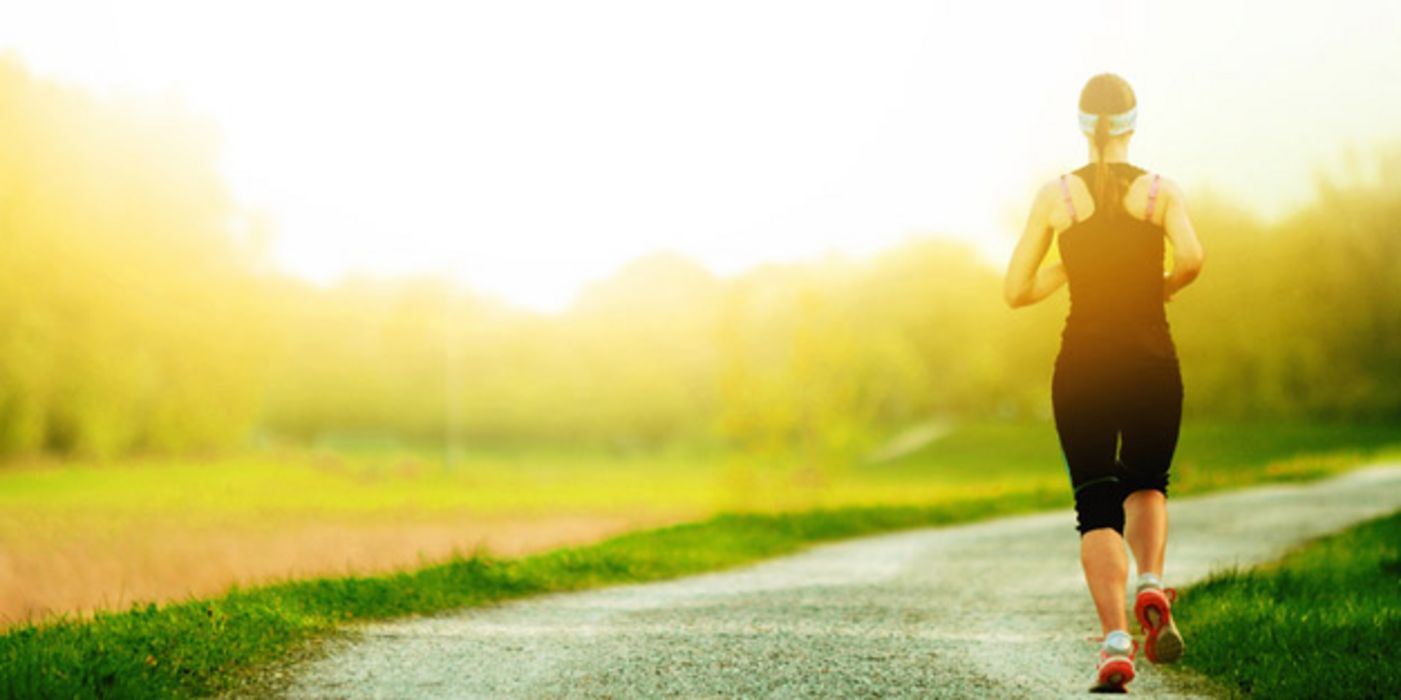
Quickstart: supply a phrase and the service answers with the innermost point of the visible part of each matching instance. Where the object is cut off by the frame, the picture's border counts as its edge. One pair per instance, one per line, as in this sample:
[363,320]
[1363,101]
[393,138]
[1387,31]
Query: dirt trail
[994,609]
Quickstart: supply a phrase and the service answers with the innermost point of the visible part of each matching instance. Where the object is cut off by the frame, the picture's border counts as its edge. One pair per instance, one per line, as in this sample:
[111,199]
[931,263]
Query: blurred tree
[138,314]
[131,320]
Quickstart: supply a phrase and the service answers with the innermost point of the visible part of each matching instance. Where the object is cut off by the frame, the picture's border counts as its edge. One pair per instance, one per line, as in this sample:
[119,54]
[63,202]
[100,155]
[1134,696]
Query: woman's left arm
[1025,284]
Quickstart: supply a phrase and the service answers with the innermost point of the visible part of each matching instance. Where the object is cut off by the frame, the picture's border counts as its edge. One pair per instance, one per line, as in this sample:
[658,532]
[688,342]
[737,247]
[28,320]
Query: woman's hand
[1046,281]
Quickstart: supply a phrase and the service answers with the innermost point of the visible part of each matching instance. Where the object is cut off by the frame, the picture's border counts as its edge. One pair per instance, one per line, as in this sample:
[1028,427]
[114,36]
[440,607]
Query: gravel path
[993,609]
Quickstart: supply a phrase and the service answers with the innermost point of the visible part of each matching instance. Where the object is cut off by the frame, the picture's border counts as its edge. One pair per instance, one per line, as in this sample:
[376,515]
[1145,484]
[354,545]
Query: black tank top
[1114,268]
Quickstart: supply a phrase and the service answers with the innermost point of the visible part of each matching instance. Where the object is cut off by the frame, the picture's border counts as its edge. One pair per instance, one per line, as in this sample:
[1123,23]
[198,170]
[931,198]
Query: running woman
[1116,390]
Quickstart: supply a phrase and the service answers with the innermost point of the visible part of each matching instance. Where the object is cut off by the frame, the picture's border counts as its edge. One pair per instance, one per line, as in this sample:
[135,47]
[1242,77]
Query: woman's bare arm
[1187,254]
[1024,283]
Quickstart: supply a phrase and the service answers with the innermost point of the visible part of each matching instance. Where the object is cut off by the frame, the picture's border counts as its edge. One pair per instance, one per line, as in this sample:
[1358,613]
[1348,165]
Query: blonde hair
[1104,95]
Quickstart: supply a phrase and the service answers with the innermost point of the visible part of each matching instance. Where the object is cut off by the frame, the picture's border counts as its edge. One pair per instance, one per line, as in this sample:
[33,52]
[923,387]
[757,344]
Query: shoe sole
[1113,677]
[1163,644]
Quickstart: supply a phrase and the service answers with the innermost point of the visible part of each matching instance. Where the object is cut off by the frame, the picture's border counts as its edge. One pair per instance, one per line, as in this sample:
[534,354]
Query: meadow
[212,644]
[106,536]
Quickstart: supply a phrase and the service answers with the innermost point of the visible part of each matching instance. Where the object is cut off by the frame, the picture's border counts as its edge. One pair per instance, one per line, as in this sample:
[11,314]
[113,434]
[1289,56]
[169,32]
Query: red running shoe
[1115,670]
[1153,608]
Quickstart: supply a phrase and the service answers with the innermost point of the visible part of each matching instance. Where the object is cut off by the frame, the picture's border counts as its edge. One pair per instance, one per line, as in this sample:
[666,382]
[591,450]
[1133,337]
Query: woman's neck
[1115,151]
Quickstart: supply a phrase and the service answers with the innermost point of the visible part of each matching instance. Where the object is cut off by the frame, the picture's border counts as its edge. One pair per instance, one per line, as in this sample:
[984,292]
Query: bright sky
[529,147]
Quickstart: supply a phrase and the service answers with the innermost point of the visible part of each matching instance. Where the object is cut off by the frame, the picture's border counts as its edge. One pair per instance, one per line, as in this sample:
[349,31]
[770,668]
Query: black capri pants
[1117,416]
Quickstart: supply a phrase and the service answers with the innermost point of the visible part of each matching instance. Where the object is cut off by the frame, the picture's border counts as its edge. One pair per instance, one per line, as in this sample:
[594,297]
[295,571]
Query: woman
[1116,390]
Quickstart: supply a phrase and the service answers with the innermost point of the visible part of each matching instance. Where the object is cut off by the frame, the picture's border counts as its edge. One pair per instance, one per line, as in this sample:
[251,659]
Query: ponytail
[1106,185]
[1110,102]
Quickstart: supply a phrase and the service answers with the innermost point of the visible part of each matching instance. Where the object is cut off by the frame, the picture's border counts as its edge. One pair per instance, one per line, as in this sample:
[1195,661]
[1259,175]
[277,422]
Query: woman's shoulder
[1140,176]
[1142,198]
[1063,200]
[1149,193]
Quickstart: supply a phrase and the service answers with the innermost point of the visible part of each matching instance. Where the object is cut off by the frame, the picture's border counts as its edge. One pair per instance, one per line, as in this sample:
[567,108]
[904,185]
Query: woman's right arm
[1026,282]
[1187,254]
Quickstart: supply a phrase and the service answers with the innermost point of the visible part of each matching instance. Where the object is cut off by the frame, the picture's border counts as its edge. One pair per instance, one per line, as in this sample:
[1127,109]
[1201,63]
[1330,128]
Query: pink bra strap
[1152,198]
[1069,203]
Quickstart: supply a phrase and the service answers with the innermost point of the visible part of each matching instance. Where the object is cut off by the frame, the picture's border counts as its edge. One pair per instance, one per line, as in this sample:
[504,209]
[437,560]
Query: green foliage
[1322,623]
[1302,318]
[1298,320]
[141,316]
[132,321]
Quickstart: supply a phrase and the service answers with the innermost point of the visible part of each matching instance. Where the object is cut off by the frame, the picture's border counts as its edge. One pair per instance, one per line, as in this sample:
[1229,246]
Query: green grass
[1324,622]
[205,647]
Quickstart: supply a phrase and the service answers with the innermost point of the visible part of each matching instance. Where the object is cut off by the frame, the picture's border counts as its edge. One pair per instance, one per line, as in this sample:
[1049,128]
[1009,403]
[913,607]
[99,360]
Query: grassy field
[104,536]
[1324,622]
[739,512]
[204,647]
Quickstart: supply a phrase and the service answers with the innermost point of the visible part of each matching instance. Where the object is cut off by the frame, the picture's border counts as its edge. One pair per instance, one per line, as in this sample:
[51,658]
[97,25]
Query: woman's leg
[1151,422]
[1083,403]
[1149,440]
[1145,528]
[1106,571]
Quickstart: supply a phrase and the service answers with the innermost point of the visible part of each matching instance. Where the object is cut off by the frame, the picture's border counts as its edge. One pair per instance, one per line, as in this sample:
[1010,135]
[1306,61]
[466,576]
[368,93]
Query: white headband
[1120,123]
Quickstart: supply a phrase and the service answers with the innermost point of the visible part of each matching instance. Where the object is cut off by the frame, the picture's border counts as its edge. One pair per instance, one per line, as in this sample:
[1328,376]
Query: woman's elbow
[1015,298]
[1187,267]
[1192,266]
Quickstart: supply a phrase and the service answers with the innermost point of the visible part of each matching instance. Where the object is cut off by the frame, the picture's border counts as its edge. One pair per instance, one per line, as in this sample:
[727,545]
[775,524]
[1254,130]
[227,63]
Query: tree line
[139,313]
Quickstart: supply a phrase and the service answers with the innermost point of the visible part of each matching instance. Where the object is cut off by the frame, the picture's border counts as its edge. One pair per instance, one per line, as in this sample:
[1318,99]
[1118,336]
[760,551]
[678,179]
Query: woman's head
[1107,94]
[1108,111]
